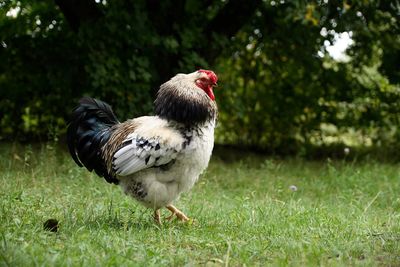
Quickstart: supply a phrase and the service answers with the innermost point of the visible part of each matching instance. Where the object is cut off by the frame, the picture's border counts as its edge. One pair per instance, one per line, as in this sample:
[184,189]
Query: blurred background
[305,78]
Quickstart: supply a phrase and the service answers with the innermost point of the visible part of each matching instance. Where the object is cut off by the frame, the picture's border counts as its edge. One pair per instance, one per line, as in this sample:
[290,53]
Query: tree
[174,20]
[280,88]
[290,94]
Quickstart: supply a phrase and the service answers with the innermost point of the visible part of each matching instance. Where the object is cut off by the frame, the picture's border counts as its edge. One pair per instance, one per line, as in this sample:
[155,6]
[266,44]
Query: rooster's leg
[181,216]
[157,216]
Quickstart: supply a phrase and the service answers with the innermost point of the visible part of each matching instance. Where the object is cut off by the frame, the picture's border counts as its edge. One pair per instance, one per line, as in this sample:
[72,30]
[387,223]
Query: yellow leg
[157,216]
[179,214]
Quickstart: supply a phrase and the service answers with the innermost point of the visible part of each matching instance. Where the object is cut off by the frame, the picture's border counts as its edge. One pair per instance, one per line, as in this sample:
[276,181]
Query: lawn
[250,211]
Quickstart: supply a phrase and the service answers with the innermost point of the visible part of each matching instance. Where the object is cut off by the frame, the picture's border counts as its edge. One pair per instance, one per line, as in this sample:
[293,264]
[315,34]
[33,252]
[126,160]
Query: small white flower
[346,150]
[293,188]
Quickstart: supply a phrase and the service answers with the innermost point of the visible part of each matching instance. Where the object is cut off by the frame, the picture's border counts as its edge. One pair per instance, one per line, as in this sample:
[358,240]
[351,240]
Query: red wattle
[210,92]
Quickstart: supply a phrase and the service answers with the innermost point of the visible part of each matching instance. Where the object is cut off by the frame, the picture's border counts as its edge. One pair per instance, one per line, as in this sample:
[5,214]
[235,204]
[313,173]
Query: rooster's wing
[152,144]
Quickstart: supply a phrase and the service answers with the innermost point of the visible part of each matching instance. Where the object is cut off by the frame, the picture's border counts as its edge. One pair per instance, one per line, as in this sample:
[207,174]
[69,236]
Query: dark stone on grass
[51,225]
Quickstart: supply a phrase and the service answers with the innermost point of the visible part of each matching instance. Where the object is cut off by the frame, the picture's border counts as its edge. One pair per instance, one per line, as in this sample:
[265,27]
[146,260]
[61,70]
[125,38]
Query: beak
[215,84]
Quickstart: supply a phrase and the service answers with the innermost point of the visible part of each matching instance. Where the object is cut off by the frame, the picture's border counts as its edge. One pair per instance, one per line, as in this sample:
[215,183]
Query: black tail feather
[88,130]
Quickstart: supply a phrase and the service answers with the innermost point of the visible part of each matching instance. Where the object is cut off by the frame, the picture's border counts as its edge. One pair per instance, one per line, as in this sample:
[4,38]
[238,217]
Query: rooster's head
[206,80]
[188,98]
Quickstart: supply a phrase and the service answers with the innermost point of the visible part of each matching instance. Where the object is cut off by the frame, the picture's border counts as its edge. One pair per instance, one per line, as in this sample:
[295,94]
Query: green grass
[245,214]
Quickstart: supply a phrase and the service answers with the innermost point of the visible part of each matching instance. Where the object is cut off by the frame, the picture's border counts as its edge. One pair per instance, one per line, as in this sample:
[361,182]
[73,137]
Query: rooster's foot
[179,214]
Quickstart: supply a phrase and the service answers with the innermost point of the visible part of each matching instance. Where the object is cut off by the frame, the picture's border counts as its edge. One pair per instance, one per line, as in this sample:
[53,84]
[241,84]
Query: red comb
[211,75]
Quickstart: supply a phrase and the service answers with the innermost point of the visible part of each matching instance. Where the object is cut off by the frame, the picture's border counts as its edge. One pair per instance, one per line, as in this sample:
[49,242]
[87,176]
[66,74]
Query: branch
[78,11]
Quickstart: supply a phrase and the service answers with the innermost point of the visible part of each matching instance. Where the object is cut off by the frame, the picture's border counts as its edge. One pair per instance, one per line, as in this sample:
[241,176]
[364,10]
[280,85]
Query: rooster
[153,158]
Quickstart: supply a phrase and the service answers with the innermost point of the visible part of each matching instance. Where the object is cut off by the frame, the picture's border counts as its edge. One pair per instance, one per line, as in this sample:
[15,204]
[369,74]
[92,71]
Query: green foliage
[245,214]
[280,89]
[121,58]
[39,69]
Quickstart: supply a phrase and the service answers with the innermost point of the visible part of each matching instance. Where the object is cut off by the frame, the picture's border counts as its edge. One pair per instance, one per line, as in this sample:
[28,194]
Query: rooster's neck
[188,105]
